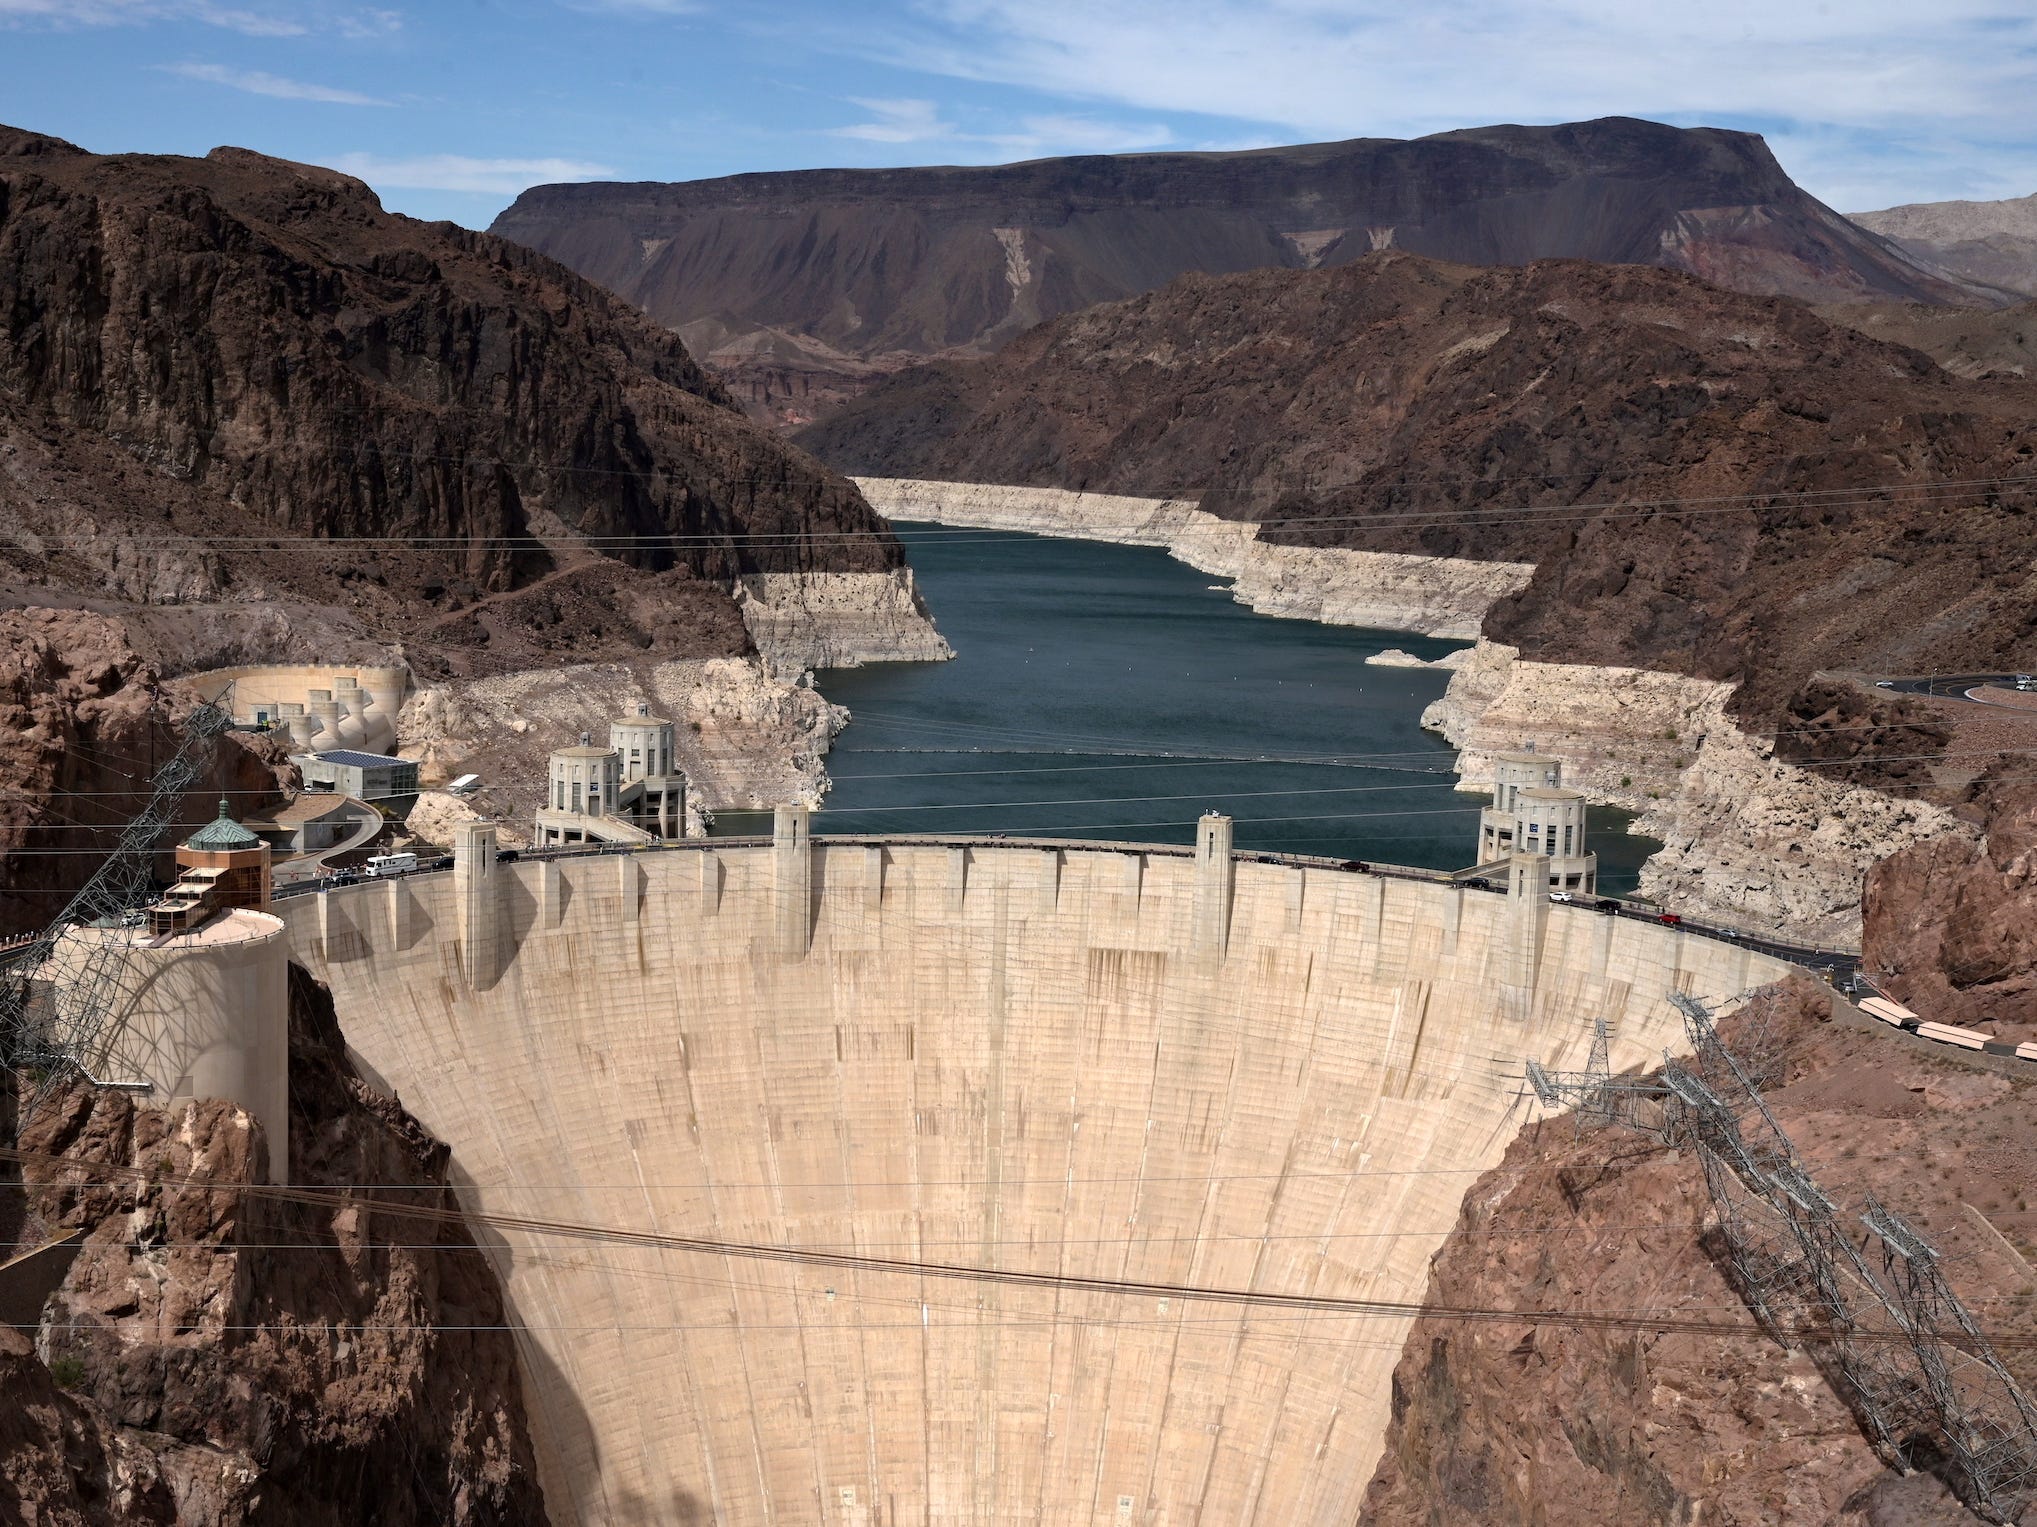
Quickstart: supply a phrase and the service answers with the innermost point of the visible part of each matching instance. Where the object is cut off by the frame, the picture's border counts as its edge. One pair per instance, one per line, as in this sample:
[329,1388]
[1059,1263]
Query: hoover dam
[1020,1064]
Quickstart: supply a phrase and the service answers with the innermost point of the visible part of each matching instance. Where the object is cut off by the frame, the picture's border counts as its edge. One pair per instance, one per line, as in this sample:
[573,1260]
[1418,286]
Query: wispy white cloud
[915,120]
[1062,134]
[1321,64]
[272,20]
[459,172]
[371,21]
[257,82]
[638,7]
[1858,77]
[248,23]
[897,121]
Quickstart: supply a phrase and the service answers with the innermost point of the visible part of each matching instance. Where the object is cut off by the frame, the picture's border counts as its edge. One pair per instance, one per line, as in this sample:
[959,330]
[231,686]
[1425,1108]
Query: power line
[1057,1282]
[1936,494]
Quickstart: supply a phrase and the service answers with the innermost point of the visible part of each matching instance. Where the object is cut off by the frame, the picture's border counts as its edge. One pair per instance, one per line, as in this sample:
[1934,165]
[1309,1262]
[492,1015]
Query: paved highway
[1949,686]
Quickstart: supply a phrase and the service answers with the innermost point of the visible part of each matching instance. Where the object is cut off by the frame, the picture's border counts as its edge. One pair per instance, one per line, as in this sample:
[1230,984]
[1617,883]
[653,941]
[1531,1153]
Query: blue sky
[449,107]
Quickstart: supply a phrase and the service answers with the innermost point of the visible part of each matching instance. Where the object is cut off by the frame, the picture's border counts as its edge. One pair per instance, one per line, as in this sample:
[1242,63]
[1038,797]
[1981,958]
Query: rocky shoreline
[1431,596]
[1748,840]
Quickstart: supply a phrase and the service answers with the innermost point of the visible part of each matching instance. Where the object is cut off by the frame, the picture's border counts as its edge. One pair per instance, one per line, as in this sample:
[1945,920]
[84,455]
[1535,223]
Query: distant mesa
[804,275]
[1993,243]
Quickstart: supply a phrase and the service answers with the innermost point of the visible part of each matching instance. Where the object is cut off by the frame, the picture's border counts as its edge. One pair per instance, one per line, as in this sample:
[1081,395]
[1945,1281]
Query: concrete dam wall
[1126,1065]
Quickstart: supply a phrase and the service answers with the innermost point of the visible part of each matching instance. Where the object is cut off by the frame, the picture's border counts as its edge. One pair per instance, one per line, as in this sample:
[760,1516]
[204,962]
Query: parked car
[1478,883]
[1670,919]
[509,855]
[1358,865]
[1562,896]
[1608,904]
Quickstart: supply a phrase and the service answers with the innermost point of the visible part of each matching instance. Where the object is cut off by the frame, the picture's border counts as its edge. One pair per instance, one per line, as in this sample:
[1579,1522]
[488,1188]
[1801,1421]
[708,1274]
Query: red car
[1671,919]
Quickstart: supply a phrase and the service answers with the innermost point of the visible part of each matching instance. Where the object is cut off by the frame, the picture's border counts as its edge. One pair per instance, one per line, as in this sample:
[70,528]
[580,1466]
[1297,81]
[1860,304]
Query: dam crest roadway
[1099,1062]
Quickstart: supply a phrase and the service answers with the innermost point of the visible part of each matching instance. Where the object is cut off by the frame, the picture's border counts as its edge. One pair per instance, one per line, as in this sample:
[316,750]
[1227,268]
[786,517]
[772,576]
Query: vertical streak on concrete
[873,879]
[1213,874]
[397,902]
[629,883]
[1453,920]
[958,879]
[1050,881]
[477,883]
[1681,977]
[710,883]
[1527,917]
[792,866]
[551,897]
[325,926]
[1134,872]
[990,1301]
[1297,887]
[1372,918]
[1602,946]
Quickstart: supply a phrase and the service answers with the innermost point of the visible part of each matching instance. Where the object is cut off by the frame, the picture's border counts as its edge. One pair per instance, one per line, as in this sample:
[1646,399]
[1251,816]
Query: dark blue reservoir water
[1104,691]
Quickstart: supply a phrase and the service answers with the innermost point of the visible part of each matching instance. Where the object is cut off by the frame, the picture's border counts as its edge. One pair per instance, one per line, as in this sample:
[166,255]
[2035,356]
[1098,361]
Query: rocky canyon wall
[1435,596]
[216,1356]
[838,620]
[1537,1422]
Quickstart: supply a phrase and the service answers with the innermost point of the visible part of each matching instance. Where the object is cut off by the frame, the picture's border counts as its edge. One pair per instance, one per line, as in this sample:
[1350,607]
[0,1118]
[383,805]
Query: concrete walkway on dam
[1131,1066]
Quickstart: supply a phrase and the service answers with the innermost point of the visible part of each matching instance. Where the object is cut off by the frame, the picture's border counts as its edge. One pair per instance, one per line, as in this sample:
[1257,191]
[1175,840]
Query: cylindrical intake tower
[585,779]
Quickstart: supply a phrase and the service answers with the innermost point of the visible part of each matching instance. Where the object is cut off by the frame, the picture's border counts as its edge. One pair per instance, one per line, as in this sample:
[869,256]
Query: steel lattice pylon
[1899,1346]
[58,1019]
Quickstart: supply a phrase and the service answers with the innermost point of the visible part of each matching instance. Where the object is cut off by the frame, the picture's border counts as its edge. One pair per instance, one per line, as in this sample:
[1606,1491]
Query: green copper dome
[222,835]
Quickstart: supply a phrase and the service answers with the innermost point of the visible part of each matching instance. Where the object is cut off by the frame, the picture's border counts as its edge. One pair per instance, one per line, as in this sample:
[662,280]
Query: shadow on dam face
[1037,1065]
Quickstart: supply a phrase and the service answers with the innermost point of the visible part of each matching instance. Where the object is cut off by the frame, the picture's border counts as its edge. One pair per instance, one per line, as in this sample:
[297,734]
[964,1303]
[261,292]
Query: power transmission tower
[1896,1343]
[59,1016]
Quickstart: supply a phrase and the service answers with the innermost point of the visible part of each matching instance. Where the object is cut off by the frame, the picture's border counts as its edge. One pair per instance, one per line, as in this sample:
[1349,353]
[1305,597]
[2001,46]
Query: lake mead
[1108,691]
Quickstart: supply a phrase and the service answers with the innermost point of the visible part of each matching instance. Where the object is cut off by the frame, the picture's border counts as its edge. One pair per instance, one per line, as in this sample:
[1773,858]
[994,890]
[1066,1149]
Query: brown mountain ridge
[247,415]
[794,283]
[1710,482]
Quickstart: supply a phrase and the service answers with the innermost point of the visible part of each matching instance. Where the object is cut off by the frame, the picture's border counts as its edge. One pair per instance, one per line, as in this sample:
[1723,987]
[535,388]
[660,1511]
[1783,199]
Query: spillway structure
[1036,1116]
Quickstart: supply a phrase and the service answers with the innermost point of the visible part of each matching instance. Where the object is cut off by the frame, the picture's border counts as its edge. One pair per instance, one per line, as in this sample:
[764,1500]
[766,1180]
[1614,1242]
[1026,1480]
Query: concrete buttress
[792,869]
[477,884]
[1213,874]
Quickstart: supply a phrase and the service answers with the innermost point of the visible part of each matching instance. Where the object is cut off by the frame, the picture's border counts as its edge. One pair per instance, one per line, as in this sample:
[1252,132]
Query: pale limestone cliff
[430,826]
[1748,840]
[1434,596]
[838,620]
[1393,657]
[746,737]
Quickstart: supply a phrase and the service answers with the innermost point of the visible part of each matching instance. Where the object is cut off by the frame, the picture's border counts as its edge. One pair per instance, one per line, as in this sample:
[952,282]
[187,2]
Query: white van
[391,864]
